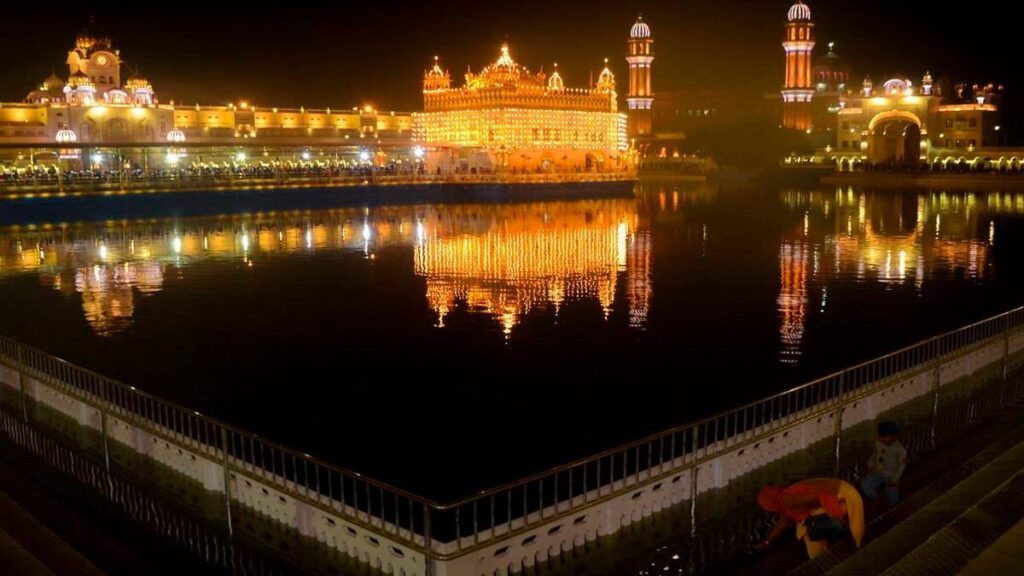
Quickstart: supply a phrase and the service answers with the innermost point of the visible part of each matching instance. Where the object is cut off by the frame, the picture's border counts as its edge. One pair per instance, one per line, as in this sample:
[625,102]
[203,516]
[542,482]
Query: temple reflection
[533,256]
[503,260]
[889,239]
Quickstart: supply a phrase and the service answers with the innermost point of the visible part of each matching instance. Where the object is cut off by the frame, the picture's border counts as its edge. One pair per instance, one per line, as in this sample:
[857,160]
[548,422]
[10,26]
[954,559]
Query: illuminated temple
[94,103]
[507,118]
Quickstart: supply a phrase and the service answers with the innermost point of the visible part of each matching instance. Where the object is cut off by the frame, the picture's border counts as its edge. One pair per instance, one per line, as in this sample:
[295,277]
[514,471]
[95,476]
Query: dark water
[448,347]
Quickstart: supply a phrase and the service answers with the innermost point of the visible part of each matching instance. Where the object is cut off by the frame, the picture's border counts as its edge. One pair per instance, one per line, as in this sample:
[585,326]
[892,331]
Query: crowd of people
[51,174]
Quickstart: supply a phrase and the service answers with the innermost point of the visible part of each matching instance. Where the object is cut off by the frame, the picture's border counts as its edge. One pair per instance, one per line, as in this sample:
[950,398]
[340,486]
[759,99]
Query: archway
[895,138]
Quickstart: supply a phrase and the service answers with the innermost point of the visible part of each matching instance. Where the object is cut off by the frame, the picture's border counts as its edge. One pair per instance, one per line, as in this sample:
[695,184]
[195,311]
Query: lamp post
[998,128]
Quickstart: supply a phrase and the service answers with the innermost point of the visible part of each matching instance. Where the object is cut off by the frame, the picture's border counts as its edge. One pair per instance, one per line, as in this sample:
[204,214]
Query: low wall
[925,180]
[661,490]
[543,534]
[205,467]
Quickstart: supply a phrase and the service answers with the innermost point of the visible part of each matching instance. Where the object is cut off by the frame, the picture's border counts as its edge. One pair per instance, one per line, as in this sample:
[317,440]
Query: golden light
[518,118]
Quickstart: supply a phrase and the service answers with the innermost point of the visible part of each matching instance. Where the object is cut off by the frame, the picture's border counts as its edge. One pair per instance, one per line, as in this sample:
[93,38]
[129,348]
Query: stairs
[29,548]
[942,527]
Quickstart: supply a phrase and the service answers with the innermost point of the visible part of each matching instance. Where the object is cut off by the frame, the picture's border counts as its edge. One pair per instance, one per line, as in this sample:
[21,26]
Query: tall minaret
[798,88]
[640,97]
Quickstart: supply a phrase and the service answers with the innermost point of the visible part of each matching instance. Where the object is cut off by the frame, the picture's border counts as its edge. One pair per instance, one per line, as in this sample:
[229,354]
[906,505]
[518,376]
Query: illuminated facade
[901,123]
[641,97]
[507,118]
[93,106]
[798,88]
[897,122]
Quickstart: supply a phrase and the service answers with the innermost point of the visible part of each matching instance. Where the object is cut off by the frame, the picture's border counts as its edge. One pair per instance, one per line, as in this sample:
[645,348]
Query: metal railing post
[839,421]
[428,544]
[1006,349]
[103,425]
[21,383]
[227,478]
[936,382]
[693,502]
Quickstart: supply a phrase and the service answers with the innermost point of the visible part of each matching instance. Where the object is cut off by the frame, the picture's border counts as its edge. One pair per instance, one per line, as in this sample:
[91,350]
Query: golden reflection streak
[883,246]
[503,258]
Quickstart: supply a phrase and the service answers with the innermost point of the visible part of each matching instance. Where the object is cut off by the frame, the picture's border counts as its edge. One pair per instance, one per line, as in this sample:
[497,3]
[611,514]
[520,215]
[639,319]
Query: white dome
[640,29]
[176,136]
[799,12]
[66,136]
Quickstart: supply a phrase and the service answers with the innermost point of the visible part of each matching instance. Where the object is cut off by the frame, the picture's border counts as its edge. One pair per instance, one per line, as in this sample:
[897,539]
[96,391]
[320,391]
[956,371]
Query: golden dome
[79,80]
[92,38]
[136,82]
[504,72]
[53,82]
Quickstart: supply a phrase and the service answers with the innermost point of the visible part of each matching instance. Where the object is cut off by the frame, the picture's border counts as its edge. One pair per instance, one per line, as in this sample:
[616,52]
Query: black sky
[341,56]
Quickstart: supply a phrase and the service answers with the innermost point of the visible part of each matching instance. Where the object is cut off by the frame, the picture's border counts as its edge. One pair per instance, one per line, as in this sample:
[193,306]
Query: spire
[555,83]
[436,78]
[606,81]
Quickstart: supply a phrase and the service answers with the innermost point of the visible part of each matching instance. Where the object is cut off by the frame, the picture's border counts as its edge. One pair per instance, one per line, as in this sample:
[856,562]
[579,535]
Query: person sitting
[822,509]
[886,466]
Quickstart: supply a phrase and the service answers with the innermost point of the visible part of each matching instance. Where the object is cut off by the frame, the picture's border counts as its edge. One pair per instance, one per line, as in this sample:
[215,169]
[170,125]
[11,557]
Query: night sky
[341,56]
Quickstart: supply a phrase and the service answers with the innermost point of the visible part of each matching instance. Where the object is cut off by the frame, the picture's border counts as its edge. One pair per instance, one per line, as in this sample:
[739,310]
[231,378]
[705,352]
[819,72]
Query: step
[1004,556]
[893,546]
[998,439]
[26,536]
[16,560]
[949,550]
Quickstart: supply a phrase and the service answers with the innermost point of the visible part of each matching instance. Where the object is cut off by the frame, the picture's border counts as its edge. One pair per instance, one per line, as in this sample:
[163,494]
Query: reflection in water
[501,260]
[698,297]
[890,239]
[792,299]
[526,257]
[108,292]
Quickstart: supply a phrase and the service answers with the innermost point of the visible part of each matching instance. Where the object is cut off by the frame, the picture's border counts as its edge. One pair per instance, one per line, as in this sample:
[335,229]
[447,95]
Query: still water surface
[448,347]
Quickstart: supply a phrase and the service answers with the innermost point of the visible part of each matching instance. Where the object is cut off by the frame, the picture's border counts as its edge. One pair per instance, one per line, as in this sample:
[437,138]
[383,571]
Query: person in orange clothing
[822,509]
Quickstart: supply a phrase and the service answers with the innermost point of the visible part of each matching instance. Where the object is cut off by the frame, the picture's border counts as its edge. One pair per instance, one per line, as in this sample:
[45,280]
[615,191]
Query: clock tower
[94,57]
